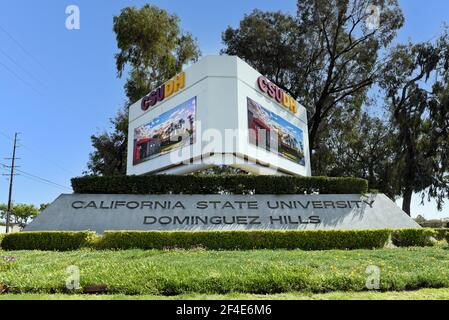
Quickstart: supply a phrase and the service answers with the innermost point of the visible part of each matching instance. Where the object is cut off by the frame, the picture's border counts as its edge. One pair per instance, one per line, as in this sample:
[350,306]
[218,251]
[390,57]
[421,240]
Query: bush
[433,224]
[441,233]
[47,240]
[219,240]
[1,238]
[217,184]
[246,240]
[413,237]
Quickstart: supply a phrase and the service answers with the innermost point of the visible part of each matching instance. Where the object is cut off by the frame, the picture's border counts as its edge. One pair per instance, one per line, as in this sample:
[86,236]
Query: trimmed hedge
[219,240]
[413,237]
[437,224]
[47,240]
[217,184]
[441,233]
[246,240]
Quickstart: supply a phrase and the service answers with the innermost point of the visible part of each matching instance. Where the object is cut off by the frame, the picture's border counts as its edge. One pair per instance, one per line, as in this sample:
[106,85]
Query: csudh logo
[164,91]
[277,94]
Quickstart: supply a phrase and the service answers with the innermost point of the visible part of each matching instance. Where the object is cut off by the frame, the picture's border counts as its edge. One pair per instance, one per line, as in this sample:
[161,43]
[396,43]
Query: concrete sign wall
[220,212]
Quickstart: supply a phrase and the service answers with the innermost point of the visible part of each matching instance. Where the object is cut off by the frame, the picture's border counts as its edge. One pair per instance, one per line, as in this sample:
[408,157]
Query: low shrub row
[217,184]
[247,240]
[435,223]
[48,240]
[413,237]
[218,240]
[441,233]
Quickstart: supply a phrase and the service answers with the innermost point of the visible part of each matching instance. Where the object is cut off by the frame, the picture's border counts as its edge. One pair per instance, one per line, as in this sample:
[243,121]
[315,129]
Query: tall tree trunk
[313,132]
[407,200]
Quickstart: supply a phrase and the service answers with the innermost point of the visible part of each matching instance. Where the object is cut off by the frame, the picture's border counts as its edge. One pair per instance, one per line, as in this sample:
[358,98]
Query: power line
[18,65]
[36,178]
[6,136]
[19,77]
[46,183]
[49,160]
[26,174]
[42,156]
[22,48]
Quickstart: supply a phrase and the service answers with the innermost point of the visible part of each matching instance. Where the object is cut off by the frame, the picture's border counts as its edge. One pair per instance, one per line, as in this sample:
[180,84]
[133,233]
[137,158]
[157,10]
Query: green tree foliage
[415,80]
[110,148]
[43,206]
[153,48]
[364,147]
[21,213]
[325,56]
[328,57]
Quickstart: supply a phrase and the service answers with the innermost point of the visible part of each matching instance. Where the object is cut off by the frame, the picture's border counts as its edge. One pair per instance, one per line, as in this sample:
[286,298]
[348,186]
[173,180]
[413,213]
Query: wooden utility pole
[11,179]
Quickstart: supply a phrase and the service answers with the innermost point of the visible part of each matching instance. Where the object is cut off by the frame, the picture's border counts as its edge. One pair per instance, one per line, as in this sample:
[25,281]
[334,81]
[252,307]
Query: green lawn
[422,294]
[205,274]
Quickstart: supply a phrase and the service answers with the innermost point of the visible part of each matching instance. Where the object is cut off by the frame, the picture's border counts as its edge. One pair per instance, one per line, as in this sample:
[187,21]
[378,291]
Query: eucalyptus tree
[415,80]
[327,55]
[153,46]
[364,147]
[152,49]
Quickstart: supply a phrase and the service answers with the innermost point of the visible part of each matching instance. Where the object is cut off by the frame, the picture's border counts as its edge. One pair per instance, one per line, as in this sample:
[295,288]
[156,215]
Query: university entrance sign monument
[220,212]
[219,111]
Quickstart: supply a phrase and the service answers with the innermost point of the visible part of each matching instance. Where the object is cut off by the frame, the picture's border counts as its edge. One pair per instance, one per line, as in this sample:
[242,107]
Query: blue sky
[57,87]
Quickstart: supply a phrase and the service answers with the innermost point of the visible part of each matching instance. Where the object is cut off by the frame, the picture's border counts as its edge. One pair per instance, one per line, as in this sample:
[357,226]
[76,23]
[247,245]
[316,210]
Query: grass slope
[155,272]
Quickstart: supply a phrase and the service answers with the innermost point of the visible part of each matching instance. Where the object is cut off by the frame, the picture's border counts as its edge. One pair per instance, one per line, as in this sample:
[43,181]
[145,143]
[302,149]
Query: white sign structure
[219,111]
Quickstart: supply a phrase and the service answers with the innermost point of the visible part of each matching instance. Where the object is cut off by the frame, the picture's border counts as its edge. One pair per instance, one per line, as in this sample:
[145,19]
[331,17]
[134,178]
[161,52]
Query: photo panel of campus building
[171,130]
[269,131]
